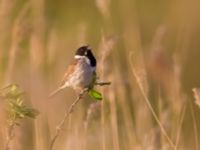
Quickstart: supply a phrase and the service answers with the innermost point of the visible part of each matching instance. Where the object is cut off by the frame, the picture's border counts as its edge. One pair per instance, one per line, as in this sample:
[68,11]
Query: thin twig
[182,116]
[195,128]
[102,83]
[67,113]
[10,133]
[150,106]
[7,87]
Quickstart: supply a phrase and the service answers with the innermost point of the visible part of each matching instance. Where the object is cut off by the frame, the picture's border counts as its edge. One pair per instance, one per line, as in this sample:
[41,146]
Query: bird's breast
[82,76]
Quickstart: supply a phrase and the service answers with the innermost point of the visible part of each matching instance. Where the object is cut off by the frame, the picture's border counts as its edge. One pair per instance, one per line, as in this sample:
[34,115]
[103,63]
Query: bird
[81,73]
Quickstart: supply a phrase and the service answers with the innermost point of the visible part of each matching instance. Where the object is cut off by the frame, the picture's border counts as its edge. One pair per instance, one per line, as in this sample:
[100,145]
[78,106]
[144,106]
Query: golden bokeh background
[149,50]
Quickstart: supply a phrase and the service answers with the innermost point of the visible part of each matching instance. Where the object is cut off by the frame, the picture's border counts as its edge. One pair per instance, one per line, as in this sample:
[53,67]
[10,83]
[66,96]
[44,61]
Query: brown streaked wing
[69,70]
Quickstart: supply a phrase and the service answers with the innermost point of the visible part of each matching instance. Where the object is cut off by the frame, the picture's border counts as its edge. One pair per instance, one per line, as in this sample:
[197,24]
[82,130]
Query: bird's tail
[55,92]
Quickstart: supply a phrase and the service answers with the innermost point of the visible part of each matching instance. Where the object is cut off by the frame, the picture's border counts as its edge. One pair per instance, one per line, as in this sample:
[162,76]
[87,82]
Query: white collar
[79,57]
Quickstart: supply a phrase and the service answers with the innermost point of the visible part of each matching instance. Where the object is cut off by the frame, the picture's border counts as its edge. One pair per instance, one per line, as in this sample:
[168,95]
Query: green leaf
[95,94]
[21,115]
[31,112]
[13,91]
[19,101]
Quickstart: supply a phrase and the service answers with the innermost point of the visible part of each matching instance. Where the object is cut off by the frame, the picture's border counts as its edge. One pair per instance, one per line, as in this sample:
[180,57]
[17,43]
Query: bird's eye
[85,53]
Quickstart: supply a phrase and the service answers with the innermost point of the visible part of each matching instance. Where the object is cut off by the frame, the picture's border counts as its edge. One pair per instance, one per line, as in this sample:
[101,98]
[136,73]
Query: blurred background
[149,50]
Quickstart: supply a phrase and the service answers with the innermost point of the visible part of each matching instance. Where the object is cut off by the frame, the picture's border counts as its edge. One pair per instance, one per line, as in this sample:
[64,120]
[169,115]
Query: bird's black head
[86,51]
[82,51]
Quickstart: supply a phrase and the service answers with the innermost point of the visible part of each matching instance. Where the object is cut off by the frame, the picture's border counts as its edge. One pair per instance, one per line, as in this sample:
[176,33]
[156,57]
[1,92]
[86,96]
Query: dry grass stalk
[52,45]
[129,131]
[92,110]
[114,117]
[180,126]
[19,33]
[103,6]
[37,42]
[149,105]
[36,62]
[10,136]
[196,92]
[195,128]
[164,70]
[105,47]
[66,116]
[67,113]
[6,9]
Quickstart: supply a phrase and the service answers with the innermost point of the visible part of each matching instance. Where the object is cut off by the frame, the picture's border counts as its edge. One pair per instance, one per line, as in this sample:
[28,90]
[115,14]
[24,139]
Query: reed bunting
[80,74]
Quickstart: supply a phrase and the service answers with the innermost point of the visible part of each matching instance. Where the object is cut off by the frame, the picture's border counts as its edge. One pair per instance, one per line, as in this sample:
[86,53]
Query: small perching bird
[80,73]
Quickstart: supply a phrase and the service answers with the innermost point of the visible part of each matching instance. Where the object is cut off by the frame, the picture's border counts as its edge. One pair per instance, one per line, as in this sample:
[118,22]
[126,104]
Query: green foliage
[16,110]
[95,94]
[12,92]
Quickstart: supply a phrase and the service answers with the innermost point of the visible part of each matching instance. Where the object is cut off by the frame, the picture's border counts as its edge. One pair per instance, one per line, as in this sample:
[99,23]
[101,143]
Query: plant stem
[10,133]
[67,113]
[150,106]
[102,83]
